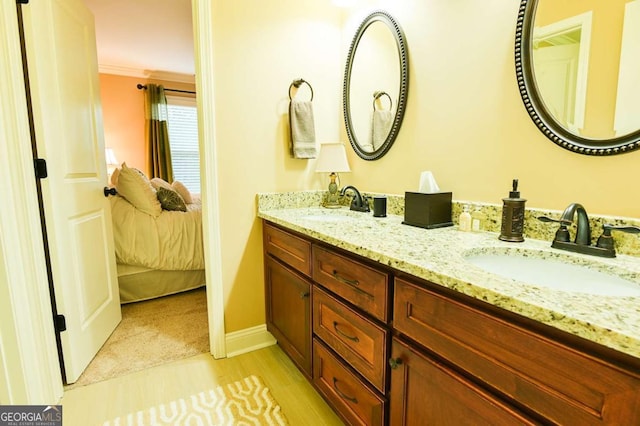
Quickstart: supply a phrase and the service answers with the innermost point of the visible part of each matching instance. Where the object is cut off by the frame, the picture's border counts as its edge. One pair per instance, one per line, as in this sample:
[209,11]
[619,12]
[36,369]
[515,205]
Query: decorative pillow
[136,188]
[183,191]
[114,177]
[171,200]
[157,182]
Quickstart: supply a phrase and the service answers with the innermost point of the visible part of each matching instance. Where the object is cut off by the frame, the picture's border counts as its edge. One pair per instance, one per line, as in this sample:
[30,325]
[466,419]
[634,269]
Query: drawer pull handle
[353,283]
[395,362]
[337,276]
[342,395]
[343,334]
[304,294]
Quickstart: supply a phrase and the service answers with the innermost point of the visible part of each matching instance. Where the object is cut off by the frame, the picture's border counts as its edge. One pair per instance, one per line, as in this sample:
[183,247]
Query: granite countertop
[438,255]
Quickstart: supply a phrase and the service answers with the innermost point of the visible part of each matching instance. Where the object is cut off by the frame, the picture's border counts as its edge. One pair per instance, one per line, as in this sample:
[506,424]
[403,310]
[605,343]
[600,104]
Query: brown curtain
[159,159]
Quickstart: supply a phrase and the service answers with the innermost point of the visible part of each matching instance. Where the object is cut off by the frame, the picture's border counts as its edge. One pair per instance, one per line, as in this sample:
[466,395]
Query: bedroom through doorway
[171,327]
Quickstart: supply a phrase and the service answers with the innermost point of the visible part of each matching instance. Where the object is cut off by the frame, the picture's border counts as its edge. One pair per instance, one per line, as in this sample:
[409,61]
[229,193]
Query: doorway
[30,368]
[125,136]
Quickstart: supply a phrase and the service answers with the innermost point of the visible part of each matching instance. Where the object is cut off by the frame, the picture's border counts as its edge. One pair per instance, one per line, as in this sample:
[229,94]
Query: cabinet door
[288,307]
[425,392]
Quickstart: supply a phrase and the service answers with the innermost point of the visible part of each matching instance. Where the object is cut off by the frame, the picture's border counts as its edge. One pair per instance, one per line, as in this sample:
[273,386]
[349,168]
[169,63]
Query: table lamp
[112,162]
[332,159]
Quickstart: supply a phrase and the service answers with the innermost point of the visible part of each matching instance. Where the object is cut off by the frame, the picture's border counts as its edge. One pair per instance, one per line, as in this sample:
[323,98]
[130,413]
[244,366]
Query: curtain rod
[142,86]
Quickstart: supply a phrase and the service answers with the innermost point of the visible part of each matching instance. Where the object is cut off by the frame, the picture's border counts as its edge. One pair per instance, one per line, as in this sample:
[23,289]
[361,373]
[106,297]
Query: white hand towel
[380,127]
[303,133]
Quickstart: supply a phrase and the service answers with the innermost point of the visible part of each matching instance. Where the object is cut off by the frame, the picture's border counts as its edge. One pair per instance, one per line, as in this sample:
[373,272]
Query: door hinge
[41,168]
[60,323]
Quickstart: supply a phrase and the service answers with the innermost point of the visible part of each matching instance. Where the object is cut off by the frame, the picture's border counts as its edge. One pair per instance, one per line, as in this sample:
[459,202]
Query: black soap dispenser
[513,216]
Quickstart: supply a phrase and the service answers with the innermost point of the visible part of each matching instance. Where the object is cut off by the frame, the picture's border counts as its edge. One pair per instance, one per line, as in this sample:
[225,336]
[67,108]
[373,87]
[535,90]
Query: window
[183,138]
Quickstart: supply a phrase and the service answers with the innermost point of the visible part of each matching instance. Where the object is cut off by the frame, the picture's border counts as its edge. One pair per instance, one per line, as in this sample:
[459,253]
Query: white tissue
[428,183]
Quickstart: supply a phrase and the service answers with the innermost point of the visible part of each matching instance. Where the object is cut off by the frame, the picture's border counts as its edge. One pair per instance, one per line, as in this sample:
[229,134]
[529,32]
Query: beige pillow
[157,182]
[136,188]
[114,177]
[171,200]
[183,191]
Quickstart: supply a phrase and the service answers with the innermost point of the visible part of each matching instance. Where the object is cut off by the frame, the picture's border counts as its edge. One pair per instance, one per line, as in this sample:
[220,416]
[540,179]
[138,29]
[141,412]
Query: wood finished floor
[96,403]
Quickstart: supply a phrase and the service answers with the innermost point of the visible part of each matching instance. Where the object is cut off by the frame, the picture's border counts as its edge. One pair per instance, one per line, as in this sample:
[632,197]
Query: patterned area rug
[245,402]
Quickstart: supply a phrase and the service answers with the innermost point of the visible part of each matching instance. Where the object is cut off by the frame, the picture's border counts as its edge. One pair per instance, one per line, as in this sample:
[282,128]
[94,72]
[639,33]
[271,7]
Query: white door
[63,74]
[556,69]
[627,116]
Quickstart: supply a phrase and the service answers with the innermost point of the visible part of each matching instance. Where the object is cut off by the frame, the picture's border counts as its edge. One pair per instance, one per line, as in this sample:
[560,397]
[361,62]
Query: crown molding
[146,74]
[120,70]
[171,76]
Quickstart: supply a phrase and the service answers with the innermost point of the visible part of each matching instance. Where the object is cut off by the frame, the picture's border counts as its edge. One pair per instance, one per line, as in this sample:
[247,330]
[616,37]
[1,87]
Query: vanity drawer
[350,397]
[292,250]
[361,343]
[557,382]
[356,282]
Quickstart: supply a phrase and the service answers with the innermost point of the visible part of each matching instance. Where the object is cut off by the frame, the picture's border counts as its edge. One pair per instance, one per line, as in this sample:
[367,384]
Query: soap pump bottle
[512,216]
[476,220]
[465,219]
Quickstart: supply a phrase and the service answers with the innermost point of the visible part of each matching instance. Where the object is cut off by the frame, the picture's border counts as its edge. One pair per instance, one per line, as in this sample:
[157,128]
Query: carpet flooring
[151,333]
[245,402]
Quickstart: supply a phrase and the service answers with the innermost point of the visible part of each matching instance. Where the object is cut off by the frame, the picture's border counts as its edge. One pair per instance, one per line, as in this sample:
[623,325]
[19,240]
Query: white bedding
[171,241]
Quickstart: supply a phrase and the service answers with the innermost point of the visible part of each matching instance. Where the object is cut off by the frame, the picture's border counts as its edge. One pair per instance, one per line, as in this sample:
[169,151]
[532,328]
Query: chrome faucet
[358,203]
[582,242]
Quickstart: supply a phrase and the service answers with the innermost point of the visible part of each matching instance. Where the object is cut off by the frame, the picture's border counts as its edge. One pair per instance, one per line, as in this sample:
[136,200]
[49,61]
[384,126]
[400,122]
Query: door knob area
[109,191]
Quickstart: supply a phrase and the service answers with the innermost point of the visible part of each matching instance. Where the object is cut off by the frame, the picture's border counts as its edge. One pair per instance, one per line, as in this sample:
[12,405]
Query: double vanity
[395,324]
[401,325]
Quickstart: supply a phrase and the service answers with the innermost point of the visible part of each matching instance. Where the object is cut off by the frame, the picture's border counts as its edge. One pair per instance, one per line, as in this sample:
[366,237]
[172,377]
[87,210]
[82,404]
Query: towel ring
[378,95]
[297,83]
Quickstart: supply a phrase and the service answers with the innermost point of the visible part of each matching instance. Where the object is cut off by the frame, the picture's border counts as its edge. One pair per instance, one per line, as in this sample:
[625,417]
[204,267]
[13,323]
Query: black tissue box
[427,210]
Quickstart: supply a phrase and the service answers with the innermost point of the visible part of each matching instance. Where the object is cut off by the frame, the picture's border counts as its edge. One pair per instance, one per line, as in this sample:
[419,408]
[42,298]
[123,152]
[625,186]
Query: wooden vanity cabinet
[383,347]
[329,312]
[287,266]
[351,310]
[545,377]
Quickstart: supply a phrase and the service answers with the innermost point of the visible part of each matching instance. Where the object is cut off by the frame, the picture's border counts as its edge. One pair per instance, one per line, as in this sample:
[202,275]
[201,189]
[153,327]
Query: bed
[159,251]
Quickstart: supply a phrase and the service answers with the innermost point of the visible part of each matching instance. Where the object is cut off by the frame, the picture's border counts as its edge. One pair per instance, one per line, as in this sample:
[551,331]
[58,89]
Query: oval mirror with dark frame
[375,87]
[579,81]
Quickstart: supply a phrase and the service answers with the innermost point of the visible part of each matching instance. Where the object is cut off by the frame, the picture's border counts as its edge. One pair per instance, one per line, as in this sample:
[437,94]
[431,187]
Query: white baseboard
[247,340]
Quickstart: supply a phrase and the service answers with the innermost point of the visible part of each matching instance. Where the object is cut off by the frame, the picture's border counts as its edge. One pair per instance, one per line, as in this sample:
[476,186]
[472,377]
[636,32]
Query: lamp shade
[110,157]
[332,158]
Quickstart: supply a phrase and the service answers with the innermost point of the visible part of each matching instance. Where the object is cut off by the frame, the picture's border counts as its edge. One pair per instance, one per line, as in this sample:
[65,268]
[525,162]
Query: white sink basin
[555,274]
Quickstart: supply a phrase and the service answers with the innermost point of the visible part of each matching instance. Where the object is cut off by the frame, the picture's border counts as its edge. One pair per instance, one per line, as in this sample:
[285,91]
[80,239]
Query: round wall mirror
[577,68]
[375,85]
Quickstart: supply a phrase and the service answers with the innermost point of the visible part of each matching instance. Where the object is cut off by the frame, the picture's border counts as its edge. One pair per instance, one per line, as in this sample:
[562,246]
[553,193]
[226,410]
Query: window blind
[183,139]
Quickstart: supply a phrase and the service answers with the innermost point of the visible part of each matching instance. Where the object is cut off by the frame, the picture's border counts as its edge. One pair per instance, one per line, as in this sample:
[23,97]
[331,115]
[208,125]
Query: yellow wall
[260,48]
[464,121]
